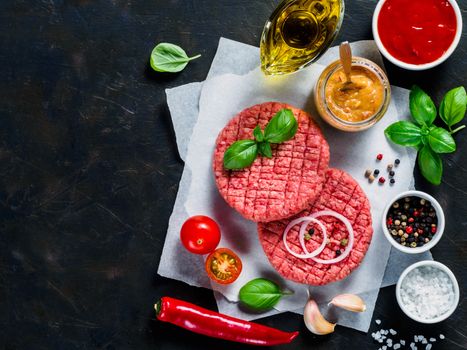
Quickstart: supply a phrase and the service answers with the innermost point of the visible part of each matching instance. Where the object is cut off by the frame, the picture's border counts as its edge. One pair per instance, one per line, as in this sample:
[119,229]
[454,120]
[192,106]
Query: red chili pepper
[216,325]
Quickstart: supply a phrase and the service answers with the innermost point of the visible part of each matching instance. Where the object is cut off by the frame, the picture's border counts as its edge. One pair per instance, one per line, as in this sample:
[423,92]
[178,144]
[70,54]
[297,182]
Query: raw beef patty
[342,194]
[276,188]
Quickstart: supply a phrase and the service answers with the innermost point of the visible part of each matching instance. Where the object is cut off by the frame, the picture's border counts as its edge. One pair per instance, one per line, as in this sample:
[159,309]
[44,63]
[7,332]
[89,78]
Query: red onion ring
[306,220]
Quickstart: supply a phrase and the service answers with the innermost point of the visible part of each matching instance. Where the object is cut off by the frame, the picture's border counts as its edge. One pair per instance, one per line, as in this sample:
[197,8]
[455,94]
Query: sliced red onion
[349,229]
[305,221]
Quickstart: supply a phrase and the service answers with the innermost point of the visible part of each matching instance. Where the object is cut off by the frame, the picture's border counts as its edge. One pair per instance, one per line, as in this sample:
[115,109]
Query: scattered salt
[428,347]
[384,347]
[432,340]
[424,341]
[392,331]
[378,321]
[397,346]
[427,292]
[441,336]
[402,341]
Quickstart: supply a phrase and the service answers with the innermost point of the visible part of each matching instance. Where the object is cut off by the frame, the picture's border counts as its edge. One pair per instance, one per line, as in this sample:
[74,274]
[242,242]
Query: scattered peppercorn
[344,242]
[390,165]
[371,178]
[411,221]
[338,252]
[368,173]
[392,173]
[376,172]
[382,180]
[307,236]
[397,162]
[311,231]
[392,181]
[379,156]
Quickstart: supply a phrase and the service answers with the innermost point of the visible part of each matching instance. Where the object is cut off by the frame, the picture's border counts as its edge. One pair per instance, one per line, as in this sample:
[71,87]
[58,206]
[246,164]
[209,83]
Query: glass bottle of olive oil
[298,32]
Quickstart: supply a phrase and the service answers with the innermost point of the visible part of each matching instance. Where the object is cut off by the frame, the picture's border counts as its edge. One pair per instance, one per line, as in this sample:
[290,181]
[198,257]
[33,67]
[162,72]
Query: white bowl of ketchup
[417,34]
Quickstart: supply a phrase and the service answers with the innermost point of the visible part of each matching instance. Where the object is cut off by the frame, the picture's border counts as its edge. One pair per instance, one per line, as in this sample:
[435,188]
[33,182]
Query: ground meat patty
[342,194]
[276,188]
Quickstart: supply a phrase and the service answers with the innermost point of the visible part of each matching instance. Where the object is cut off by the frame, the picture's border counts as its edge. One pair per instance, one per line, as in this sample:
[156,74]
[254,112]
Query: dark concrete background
[89,172]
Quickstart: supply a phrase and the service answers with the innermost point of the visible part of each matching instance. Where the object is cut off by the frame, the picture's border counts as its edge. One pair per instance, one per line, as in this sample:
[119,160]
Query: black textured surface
[89,172]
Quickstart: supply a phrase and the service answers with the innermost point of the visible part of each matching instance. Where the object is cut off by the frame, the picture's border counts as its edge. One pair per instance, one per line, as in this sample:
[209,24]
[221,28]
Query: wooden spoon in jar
[345,53]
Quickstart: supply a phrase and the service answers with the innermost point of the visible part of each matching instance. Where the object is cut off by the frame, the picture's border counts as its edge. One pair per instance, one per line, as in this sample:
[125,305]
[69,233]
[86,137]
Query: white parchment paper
[184,109]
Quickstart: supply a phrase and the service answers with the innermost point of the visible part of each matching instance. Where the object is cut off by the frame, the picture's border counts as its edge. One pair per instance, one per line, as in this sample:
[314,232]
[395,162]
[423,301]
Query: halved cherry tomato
[223,266]
[200,234]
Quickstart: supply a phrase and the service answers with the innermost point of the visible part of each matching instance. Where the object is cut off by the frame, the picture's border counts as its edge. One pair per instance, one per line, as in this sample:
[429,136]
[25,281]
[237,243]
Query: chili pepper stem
[456,129]
[158,307]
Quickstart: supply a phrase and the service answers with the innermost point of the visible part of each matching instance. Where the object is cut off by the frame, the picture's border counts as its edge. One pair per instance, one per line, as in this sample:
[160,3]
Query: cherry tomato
[200,234]
[223,266]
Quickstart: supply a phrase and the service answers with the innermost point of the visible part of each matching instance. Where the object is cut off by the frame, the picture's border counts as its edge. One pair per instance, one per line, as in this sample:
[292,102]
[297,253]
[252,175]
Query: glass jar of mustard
[355,105]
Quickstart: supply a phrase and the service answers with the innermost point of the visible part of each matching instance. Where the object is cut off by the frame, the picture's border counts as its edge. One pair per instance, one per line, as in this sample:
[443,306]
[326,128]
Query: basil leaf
[421,105]
[404,133]
[240,154]
[166,57]
[430,165]
[258,134]
[260,294]
[282,127]
[453,106]
[265,149]
[441,141]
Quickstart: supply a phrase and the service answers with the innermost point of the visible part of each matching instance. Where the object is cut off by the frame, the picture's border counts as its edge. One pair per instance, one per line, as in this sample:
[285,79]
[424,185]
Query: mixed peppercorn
[372,175]
[412,221]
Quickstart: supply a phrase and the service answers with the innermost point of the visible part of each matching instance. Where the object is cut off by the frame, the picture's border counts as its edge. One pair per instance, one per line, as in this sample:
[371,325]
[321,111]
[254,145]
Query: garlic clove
[315,321]
[350,302]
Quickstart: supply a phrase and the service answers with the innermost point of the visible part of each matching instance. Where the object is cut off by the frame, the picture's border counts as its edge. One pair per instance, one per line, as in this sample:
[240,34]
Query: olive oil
[298,32]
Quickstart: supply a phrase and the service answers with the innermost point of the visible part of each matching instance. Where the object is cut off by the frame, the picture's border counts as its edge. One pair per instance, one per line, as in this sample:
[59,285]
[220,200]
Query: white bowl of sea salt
[427,292]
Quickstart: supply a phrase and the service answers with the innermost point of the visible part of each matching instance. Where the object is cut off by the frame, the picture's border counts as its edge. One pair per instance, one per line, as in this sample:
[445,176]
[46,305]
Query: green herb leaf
[260,294]
[166,57]
[282,127]
[430,165]
[453,106]
[265,149]
[422,108]
[404,133]
[258,134]
[441,141]
[240,154]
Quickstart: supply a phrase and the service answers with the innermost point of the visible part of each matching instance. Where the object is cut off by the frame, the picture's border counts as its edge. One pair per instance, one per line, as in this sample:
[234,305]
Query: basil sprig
[166,57]
[428,139]
[261,294]
[241,154]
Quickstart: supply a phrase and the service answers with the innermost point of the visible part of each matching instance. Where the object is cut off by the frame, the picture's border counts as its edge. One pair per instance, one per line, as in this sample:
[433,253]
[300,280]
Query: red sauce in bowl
[417,31]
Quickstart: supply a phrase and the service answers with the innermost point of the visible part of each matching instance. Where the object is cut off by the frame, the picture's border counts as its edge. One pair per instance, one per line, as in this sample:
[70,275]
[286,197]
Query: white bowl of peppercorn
[413,222]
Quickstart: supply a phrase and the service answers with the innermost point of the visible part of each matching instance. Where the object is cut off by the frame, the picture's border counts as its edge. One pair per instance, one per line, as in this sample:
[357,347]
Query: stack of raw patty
[295,182]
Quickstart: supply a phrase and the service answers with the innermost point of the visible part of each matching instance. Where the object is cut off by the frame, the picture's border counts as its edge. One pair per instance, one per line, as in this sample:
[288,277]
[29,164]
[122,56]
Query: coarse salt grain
[432,340]
[378,321]
[441,336]
[392,331]
[396,346]
[428,347]
[427,292]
